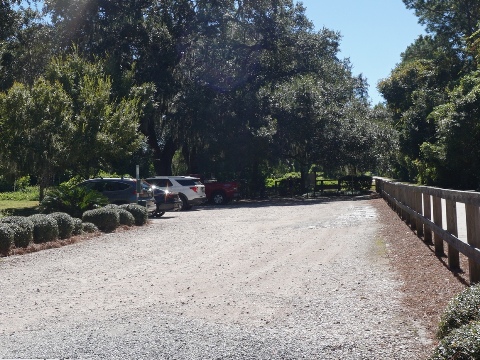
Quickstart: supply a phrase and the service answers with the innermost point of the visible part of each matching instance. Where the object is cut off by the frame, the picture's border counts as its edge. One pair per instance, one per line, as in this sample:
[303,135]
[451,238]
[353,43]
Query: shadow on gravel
[286,201]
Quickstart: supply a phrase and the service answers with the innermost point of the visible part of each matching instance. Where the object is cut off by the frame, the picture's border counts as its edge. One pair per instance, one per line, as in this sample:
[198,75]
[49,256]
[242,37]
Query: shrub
[140,213]
[23,229]
[461,344]
[462,309]
[89,227]
[106,219]
[72,200]
[6,238]
[65,224]
[45,228]
[356,183]
[126,218]
[77,226]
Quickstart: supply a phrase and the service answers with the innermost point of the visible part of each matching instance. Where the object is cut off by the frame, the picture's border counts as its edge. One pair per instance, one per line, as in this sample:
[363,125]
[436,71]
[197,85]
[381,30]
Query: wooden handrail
[407,201]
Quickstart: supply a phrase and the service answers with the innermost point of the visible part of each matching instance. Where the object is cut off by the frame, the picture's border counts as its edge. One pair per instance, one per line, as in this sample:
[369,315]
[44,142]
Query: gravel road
[260,280]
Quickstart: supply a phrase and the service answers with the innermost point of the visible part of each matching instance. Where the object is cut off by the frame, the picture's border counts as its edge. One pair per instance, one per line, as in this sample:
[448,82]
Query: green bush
[106,219]
[462,309]
[72,200]
[65,224]
[77,226]
[6,238]
[126,218]
[23,229]
[45,228]
[89,227]
[460,344]
[139,212]
[356,183]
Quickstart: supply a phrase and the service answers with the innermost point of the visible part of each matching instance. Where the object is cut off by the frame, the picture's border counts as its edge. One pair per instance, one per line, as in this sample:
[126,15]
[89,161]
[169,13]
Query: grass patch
[18,208]
[19,203]
[31,193]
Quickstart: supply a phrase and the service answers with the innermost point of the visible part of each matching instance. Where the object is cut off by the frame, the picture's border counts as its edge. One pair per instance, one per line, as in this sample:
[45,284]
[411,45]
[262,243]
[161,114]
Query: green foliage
[460,344]
[72,200]
[106,219]
[361,183]
[6,238]
[139,212]
[30,193]
[65,224]
[23,229]
[462,309]
[77,226]
[45,228]
[126,218]
[88,227]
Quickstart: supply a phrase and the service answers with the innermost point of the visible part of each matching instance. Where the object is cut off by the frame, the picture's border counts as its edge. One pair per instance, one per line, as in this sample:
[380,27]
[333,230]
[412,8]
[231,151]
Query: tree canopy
[230,87]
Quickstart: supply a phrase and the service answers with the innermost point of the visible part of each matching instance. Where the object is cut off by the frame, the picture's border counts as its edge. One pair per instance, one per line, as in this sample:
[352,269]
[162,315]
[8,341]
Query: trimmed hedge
[65,224]
[106,219]
[139,212]
[462,309]
[77,226]
[460,344]
[45,228]
[89,227]
[23,229]
[126,218]
[6,238]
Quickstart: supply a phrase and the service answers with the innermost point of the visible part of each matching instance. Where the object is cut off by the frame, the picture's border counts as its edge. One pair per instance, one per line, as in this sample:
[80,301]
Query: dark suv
[122,191]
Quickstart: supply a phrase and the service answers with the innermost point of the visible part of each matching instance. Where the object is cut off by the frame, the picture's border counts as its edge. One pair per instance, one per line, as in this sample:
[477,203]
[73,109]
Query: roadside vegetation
[246,91]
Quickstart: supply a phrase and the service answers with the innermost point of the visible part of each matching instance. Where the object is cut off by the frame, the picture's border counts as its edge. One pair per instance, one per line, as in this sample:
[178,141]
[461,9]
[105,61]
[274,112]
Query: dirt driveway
[261,280]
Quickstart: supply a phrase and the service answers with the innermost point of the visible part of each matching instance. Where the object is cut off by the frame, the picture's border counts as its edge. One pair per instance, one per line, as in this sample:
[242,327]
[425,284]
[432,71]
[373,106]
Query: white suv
[190,189]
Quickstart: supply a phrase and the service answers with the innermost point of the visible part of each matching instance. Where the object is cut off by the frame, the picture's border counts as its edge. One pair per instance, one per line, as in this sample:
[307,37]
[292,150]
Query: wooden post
[418,209]
[473,238]
[452,228]
[404,201]
[427,213]
[411,205]
[437,219]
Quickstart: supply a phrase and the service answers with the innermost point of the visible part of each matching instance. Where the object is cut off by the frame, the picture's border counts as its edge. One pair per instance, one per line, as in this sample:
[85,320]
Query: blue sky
[374,33]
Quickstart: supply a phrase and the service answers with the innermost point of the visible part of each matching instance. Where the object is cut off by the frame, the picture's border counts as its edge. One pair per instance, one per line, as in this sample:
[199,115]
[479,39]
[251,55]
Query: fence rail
[421,208]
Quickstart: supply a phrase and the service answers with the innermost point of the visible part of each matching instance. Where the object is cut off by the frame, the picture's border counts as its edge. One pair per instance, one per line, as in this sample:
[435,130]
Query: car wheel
[185,205]
[159,213]
[219,198]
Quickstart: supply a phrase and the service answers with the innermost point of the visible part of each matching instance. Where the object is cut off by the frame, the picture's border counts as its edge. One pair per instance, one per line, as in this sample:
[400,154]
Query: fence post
[437,219]
[411,204]
[473,238]
[418,209]
[452,228]
[427,213]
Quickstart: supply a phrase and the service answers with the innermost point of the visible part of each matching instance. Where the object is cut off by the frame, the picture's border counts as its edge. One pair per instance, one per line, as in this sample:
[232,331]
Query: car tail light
[194,188]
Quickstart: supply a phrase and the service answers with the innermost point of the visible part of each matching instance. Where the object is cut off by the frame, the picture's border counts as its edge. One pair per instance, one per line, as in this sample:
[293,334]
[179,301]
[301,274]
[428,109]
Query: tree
[67,122]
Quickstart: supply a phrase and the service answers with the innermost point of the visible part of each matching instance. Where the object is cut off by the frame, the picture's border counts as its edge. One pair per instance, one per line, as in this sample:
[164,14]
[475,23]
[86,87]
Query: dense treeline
[234,88]
[434,96]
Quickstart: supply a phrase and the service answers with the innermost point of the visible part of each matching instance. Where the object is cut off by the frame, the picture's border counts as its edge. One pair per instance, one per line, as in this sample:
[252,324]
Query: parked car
[219,192]
[190,189]
[122,191]
[165,200]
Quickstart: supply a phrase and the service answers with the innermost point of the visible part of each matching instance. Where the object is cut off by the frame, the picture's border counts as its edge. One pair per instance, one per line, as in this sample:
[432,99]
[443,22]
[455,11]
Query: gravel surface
[260,280]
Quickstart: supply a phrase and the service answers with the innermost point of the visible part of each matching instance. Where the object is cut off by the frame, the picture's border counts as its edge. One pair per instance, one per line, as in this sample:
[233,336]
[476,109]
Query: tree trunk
[163,158]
